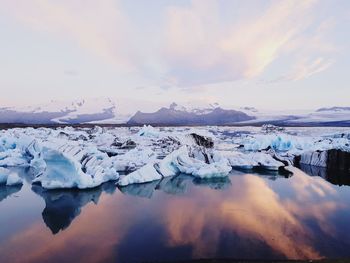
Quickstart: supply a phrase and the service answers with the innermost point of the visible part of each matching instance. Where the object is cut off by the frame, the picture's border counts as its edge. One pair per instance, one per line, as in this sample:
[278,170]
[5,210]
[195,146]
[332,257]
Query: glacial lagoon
[243,216]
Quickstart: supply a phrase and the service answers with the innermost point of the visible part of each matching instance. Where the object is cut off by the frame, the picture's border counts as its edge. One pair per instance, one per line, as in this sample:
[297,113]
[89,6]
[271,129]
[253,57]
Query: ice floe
[87,157]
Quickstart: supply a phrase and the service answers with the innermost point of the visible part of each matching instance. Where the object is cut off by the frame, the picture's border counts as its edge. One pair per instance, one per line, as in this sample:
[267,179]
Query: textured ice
[177,162]
[149,131]
[4,173]
[9,178]
[253,160]
[293,143]
[13,179]
[87,157]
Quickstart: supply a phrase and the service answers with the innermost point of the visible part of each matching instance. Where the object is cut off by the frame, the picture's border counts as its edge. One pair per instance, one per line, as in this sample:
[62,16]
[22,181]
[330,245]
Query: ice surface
[87,157]
[253,160]
[177,162]
[13,179]
[9,178]
[4,173]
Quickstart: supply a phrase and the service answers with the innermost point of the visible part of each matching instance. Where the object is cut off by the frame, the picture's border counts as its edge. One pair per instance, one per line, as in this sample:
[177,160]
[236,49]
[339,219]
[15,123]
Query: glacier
[86,157]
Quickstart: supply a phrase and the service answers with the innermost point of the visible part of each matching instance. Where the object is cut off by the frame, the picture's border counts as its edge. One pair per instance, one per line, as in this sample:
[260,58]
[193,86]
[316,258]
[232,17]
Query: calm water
[246,216]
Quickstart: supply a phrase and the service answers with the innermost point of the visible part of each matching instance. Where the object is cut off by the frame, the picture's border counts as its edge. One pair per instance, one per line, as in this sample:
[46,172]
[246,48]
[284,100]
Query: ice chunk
[253,160]
[149,131]
[63,171]
[177,162]
[14,179]
[4,173]
[133,159]
[317,158]
[145,174]
[277,142]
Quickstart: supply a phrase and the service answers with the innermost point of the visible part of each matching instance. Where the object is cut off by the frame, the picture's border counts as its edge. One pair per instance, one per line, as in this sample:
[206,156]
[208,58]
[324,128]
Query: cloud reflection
[245,216]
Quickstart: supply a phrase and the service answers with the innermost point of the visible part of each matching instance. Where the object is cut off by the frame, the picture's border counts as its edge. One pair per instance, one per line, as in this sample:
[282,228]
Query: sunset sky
[268,54]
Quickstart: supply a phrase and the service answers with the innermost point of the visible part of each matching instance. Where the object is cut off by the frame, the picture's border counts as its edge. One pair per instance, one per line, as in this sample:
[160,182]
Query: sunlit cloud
[99,27]
[197,47]
[201,48]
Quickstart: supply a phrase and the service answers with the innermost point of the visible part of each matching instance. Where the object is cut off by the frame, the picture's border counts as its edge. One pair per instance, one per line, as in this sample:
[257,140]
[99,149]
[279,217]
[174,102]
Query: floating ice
[253,160]
[149,131]
[9,178]
[13,179]
[177,162]
[85,158]
[76,169]
[4,173]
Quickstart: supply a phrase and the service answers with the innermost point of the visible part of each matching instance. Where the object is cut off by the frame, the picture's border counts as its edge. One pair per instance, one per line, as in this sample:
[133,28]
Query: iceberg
[149,131]
[87,157]
[14,179]
[4,173]
[64,171]
[180,161]
[9,178]
[252,160]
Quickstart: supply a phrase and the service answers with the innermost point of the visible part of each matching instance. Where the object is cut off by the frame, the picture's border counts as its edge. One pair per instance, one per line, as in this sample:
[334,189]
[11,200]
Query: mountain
[82,111]
[180,115]
[105,111]
[334,109]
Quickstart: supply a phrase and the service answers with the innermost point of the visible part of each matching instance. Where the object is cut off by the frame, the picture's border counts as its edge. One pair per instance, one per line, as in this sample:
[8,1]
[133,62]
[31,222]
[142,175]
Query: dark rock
[129,144]
[204,141]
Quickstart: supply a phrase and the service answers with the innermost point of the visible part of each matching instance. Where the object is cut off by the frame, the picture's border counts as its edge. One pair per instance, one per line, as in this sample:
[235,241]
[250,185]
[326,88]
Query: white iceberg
[177,162]
[149,131]
[13,179]
[4,173]
[253,160]
[9,178]
[72,168]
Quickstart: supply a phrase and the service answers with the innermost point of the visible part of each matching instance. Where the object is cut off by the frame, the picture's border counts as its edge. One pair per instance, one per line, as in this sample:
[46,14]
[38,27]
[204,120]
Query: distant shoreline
[90,125]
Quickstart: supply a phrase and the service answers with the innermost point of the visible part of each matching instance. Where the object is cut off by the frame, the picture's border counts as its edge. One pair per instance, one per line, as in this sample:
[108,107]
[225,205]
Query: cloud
[71,72]
[99,27]
[308,67]
[303,68]
[199,43]
[202,48]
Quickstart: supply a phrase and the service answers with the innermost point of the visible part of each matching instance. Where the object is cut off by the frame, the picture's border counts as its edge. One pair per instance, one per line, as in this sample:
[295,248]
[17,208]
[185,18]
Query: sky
[281,54]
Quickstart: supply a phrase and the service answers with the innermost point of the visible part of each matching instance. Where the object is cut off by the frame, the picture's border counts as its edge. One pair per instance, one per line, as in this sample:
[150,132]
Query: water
[246,216]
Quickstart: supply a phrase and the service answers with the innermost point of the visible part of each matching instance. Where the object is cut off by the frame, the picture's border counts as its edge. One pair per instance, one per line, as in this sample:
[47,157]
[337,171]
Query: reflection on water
[174,185]
[334,177]
[62,206]
[247,216]
[6,191]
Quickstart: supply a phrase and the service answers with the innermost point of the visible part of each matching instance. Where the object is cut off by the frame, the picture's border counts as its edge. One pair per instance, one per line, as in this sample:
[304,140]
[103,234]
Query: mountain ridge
[108,111]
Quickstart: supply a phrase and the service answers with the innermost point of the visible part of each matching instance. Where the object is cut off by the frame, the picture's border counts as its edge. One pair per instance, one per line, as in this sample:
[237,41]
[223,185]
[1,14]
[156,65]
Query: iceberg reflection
[174,185]
[244,216]
[6,191]
[334,177]
[63,206]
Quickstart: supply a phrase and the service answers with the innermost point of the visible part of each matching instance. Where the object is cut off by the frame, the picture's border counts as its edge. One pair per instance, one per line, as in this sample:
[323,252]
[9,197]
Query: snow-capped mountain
[326,116]
[81,111]
[175,114]
[126,111]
